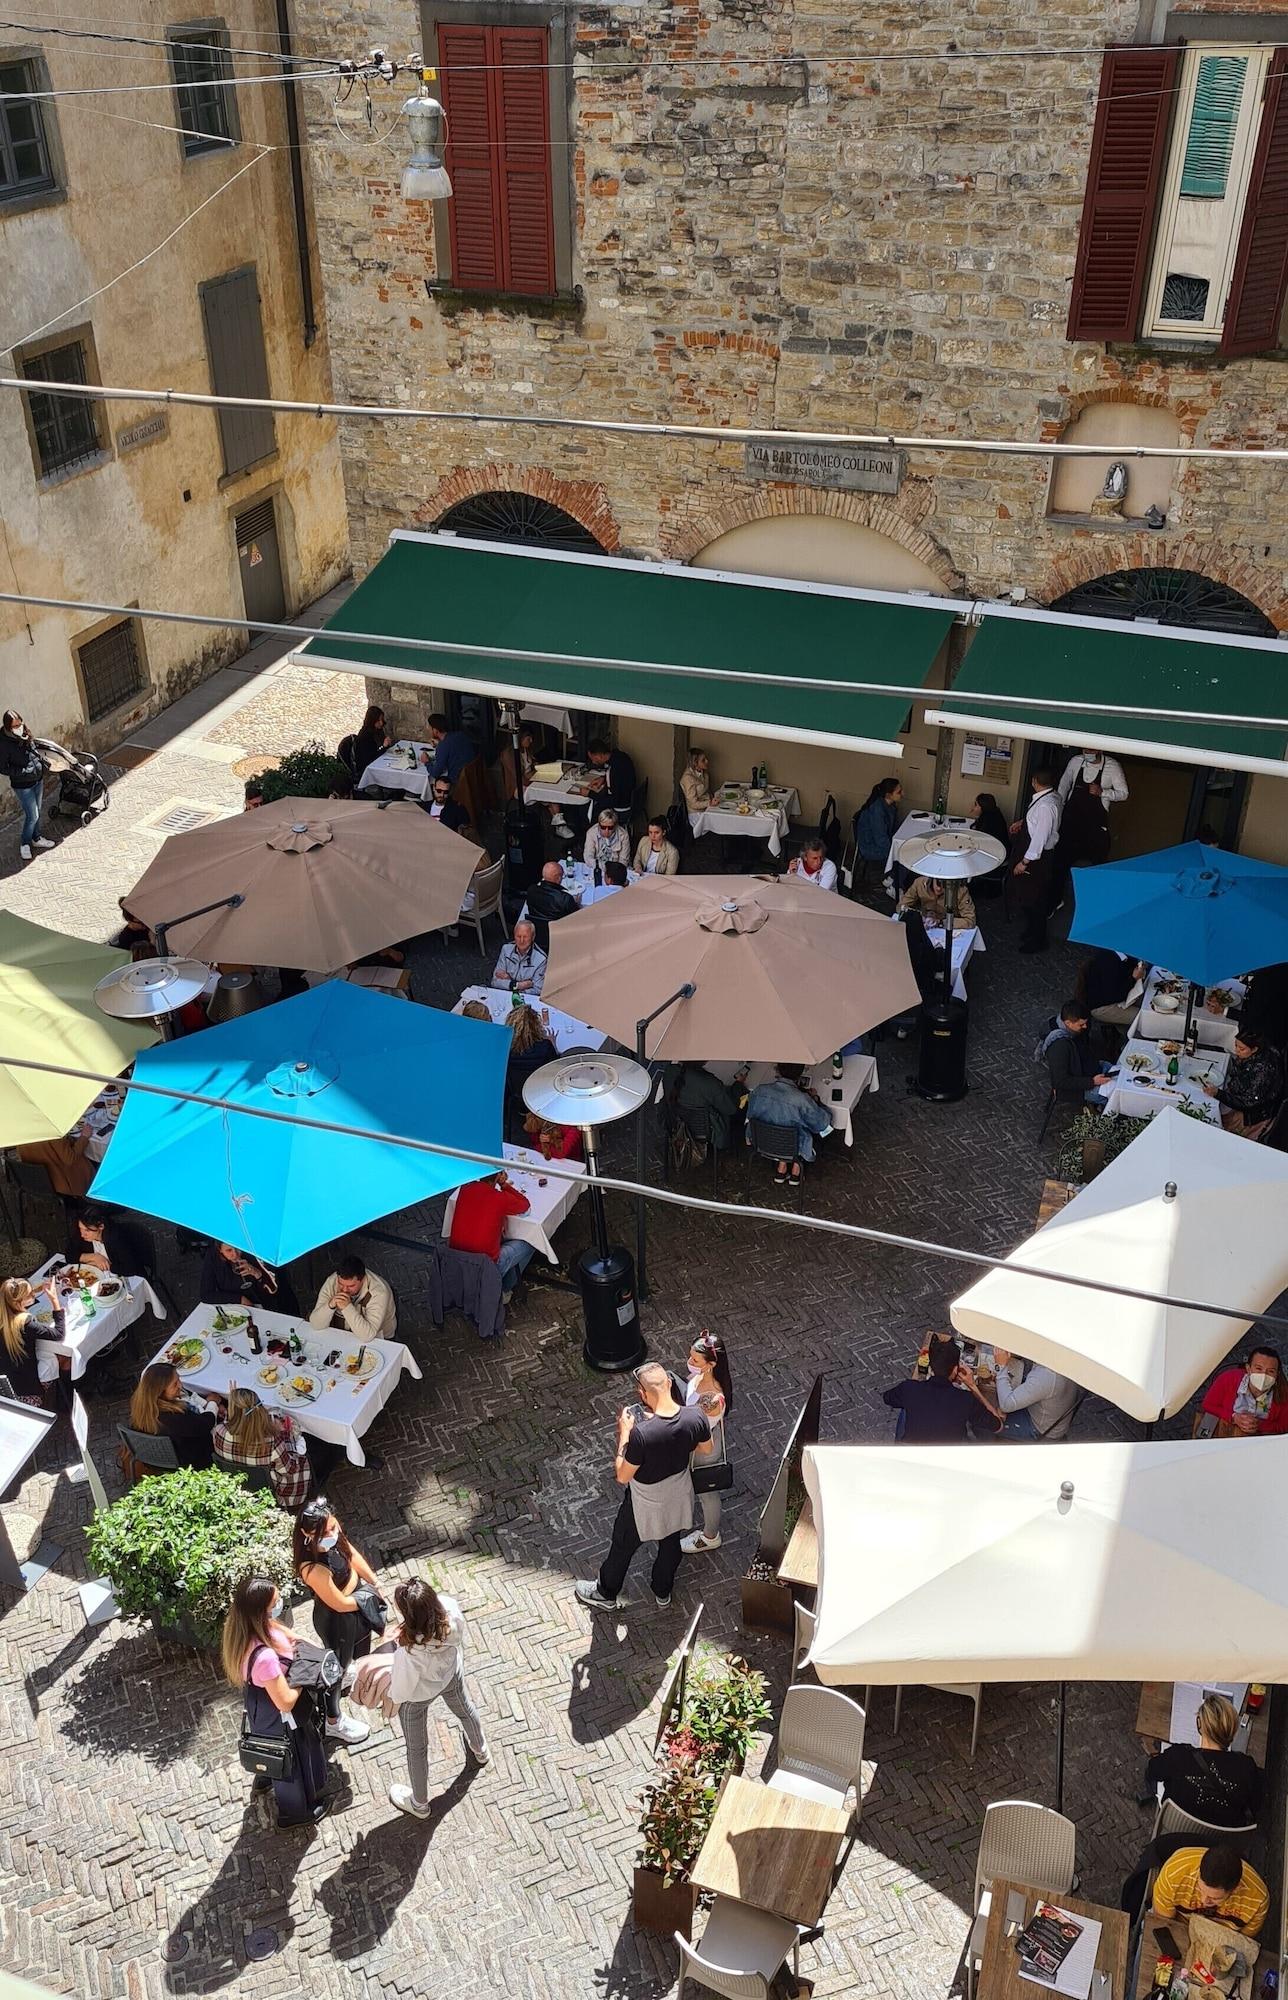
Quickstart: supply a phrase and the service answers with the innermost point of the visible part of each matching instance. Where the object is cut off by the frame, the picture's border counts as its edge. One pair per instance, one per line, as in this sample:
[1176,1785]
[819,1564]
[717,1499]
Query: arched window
[519,517]
[1168,597]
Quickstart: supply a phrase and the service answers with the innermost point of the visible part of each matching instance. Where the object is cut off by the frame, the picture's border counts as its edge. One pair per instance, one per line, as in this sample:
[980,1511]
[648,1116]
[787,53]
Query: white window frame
[1208,329]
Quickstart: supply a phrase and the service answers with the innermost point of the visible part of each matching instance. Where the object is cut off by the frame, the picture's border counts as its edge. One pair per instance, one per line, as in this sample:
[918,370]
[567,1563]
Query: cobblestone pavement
[134,1861]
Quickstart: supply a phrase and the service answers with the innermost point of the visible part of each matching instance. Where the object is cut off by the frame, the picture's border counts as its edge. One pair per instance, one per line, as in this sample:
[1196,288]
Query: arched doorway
[1171,802]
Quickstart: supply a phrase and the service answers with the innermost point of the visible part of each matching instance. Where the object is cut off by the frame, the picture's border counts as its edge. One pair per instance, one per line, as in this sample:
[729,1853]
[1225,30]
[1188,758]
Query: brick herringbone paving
[135,1862]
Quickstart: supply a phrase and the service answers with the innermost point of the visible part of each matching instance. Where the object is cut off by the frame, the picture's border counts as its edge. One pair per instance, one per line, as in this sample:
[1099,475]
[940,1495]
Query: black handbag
[371,1608]
[267,1756]
[713,1475]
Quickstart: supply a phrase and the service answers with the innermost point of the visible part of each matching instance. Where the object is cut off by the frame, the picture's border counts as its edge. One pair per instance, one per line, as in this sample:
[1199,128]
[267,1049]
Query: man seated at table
[109,1244]
[1248,1401]
[712,1110]
[812,865]
[521,966]
[929,895]
[612,779]
[1071,1063]
[783,1100]
[440,805]
[1032,1402]
[1253,1087]
[453,749]
[935,1411]
[548,900]
[1213,1882]
[478,1226]
[607,840]
[357,1301]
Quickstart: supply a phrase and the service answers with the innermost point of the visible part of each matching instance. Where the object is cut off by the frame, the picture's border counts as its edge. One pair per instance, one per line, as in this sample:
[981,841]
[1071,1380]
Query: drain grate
[180,816]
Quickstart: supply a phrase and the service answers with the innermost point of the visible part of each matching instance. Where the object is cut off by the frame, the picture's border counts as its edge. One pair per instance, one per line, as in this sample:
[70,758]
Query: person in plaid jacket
[249,1435]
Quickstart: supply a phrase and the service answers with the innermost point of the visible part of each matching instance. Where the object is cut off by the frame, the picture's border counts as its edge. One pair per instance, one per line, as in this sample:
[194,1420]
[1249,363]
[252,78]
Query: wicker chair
[1022,1842]
[741,1953]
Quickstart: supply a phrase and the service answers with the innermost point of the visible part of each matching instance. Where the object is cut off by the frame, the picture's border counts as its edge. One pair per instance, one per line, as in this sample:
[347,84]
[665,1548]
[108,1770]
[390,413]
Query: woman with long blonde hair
[257,1652]
[160,1408]
[251,1436]
[428,1665]
[18,1358]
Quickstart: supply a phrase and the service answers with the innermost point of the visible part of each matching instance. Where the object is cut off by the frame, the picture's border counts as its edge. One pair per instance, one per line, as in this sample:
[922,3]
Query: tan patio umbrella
[783,972]
[323,881]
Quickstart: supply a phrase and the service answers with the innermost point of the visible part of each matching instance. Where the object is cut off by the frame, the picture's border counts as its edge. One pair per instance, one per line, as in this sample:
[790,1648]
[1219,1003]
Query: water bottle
[1173,1069]
[87,1302]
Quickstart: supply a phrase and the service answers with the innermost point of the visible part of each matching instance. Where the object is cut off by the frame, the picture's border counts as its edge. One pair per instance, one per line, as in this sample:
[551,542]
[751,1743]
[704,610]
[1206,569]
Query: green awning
[1108,665]
[644,616]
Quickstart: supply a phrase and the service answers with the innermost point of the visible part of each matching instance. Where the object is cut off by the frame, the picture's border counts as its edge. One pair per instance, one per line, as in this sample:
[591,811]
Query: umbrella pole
[161,932]
[1190,990]
[1059,1751]
[685,992]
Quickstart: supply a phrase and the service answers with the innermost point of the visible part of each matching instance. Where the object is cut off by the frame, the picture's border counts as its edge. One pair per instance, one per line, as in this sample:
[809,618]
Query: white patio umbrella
[1106,1562]
[1185,1209]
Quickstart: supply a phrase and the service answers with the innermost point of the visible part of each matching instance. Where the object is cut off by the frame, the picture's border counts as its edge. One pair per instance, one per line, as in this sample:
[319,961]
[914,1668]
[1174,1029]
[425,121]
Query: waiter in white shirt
[1092,782]
[1039,831]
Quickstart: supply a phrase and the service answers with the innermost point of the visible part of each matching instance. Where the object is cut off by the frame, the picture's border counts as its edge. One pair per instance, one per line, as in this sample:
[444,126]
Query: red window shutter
[1256,302]
[521,99]
[465,55]
[1128,145]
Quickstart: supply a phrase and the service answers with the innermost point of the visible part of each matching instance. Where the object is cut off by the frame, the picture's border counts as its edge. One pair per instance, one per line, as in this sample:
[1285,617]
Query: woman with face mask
[710,1389]
[331,1569]
[257,1652]
[1251,1401]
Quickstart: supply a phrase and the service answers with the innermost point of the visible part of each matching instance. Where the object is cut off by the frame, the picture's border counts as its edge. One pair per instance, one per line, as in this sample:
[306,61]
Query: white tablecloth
[84,1338]
[345,1410]
[917,823]
[1216,1031]
[557,718]
[766,822]
[859,1074]
[1141,1099]
[967,941]
[566,1033]
[570,790]
[391,771]
[579,881]
[548,1206]
[99,1123]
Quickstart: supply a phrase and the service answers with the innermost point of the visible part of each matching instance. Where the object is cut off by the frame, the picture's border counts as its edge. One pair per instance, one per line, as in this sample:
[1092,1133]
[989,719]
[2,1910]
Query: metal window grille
[203,88]
[24,149]
[66,428]
[111,669]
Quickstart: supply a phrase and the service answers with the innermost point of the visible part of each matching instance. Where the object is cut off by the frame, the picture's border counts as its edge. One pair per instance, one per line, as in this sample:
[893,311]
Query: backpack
[1051,1030]
[687,1150]
[678,830]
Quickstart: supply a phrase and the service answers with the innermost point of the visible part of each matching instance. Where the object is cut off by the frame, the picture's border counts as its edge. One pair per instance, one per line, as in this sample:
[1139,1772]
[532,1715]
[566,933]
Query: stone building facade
[127,503]
[823,217]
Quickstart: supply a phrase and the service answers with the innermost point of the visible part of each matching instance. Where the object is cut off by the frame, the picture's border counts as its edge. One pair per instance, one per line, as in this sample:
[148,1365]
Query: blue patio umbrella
[1197,910]
[340,1053]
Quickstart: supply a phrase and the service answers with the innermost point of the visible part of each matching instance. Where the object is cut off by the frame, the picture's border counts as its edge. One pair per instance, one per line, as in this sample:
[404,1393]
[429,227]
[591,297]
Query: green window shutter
[1212,125]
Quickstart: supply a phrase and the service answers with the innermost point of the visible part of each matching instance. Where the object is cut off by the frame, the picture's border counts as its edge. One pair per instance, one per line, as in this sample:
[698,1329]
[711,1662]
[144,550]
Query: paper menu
[1074,1976]
[1187,1697]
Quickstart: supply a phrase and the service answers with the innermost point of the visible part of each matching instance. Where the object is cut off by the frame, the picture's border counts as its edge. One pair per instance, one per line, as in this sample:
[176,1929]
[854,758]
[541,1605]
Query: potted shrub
[725,1702]
[176,1545]
[307,773]
[1091,1141]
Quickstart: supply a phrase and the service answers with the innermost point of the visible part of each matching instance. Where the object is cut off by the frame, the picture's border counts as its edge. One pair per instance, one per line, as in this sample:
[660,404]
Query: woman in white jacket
[428,1663]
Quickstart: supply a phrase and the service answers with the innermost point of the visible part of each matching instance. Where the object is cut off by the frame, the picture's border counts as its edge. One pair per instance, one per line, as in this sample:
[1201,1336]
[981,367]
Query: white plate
[289,1394]
[190,1367]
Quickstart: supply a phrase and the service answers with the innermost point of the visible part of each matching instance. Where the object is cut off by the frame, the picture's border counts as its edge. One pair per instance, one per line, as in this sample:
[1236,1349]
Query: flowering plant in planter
[677,1812]
[725,1700]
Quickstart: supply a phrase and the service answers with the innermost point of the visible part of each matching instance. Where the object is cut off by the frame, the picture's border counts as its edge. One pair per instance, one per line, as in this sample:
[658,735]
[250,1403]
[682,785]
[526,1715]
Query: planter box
[178,1630]
[767,1605]
[657,1908]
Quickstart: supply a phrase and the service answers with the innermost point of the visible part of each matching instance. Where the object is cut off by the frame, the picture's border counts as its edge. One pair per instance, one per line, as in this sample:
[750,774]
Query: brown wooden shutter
[238,365]
[470,158]
[497,100]
[1256,302]
[1128,145]
[522,106]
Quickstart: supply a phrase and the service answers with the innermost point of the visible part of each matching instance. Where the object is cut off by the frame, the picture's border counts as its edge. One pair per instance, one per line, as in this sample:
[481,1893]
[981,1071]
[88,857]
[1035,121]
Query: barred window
[66,429]
[111,668]
[25,163]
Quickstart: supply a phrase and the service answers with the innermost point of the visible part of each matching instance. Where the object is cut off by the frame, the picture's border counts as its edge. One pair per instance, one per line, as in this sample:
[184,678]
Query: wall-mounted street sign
[855,469]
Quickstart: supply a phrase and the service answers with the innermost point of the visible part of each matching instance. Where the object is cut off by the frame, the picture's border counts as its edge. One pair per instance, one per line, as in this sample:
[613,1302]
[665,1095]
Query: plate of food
[73,1277]
[1170,1048]
[270,1377]
[370,1365]
[188,1356]
[110,1288]
[1137,1060]
[1167,1003]
[298,1386]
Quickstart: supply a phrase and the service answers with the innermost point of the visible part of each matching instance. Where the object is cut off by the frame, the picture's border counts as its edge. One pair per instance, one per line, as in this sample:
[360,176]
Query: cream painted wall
[817,548]
[1265,822]
[1075,482]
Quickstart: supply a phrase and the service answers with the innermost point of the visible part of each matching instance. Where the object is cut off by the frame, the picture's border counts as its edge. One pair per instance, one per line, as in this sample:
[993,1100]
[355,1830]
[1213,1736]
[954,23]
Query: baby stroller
[82,788]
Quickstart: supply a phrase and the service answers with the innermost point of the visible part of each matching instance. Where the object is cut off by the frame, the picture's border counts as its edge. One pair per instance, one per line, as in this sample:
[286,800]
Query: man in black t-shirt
[935,1411]
[652,1463]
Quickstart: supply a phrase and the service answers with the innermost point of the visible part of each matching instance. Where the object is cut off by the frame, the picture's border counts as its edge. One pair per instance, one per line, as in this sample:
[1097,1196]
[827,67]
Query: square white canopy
[968,1563]
[1220,1238]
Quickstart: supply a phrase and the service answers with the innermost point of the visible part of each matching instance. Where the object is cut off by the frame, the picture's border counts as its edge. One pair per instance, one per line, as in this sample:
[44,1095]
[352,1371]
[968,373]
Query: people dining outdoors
[1032,1402]
[929,895]
[1248,1401]
[1106,983]
[453,749]
[987,817]
[1090,784]
[440,805]
[1211,1781]
[372,737]
[478,1226]
[553,1142]
[357,1301]
[711,1110]
[232,1277]
[532,1046]
[251,1437]
[521,966]
[160,1407]
[695,781]
[65,1160]
[548,901]
[1070,1059]
[1033,871]
[1214,1882]
[1253,1086]
[612,779]
[875,822]
[606,840]
[1265,1005]
[19,1362]
[783,1100]
[935,1409]
[109,1244]
[813,866]
[655,855]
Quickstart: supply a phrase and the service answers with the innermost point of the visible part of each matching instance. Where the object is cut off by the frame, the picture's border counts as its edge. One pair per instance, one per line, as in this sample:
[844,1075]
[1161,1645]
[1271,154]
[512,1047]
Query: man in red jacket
[1251,1401]
[478,1224]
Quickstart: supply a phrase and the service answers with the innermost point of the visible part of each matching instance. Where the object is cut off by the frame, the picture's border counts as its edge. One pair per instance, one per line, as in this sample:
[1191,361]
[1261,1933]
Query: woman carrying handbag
[282,1740]
[347,1606]
[710,1389]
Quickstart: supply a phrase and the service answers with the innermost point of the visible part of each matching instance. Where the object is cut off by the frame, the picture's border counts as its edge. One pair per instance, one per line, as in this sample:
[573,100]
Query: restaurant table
[1055,1196]
[858,1074]
[766,821]
[84,1337]
[572,789]
[395,979]
[548,1206]
[914,824]
[1154,1719]
[394,771]
[1154,1024]
[1141,1087]
[556,718]
[1179,1927]
[1000,1978]
[344,1410]
[800,1558]
[966,942]
[99,1122]
[771,1850]
[579,881]
[566,1032]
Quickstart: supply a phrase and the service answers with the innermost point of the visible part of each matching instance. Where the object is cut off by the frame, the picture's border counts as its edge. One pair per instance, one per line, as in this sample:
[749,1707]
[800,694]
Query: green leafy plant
[677,1812]
[176,1546]
[307,773]
[725,1701]
[1108,1129]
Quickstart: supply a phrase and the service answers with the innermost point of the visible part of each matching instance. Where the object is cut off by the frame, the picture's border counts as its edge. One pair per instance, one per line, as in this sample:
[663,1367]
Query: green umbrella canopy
[47,1014]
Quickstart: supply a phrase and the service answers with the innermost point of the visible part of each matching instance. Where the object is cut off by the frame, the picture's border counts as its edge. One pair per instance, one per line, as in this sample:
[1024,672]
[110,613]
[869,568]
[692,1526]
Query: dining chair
[487,901]
[741,1954]
[255,1478]
[773,1143]
[972,1691]
[805,1624]
[1022,1842]
[820,1748]
[148,1453]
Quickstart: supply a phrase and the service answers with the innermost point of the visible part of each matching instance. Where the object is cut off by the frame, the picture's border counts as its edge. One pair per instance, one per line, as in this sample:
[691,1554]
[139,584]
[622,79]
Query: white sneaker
[588,1593]
[562,828]
[49,843]
[480,1757]
[698,1543]
[25,852]
[347,1729]
[403,1797]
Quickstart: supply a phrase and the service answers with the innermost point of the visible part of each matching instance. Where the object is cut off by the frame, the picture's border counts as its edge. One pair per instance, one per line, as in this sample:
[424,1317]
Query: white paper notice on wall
[973,753]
